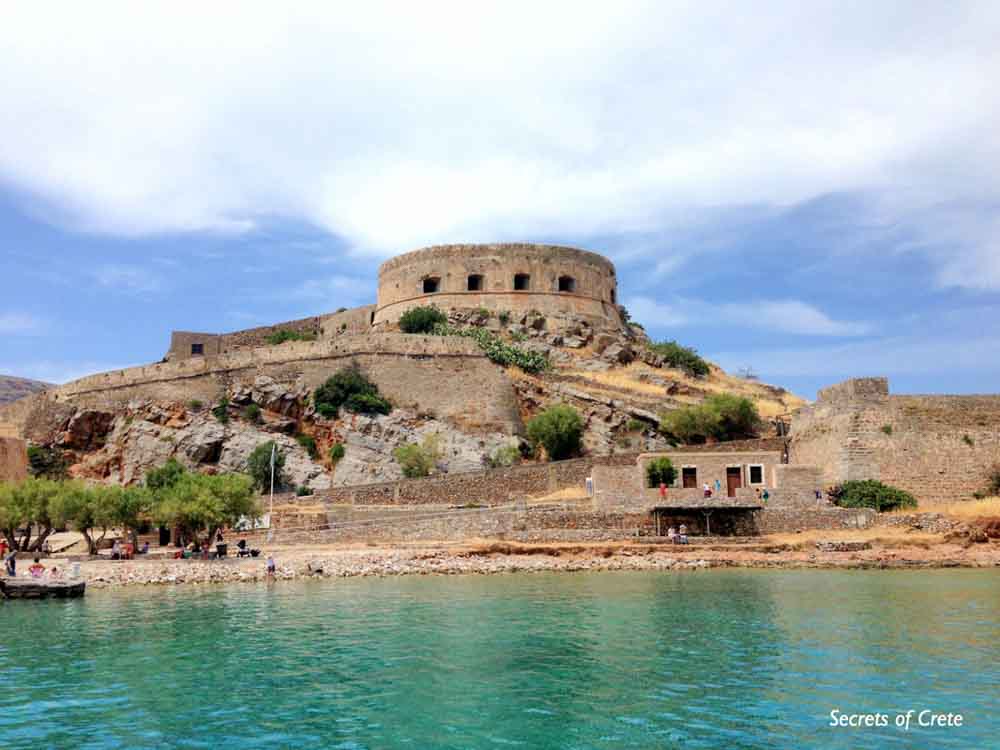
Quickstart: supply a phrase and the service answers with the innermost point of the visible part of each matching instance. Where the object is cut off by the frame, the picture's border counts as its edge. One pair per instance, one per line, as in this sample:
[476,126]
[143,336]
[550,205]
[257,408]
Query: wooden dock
[32,588]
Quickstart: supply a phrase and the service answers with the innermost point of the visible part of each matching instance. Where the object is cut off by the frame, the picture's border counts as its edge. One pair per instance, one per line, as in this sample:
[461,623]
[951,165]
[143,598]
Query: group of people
[35,570]
[127,551]
[678,536]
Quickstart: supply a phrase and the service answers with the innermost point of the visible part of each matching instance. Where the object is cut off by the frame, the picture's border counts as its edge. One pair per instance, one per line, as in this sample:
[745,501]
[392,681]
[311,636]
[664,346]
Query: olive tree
[201,504]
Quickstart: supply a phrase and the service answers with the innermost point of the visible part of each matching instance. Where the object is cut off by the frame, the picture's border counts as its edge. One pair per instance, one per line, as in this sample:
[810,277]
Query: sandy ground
[487,557]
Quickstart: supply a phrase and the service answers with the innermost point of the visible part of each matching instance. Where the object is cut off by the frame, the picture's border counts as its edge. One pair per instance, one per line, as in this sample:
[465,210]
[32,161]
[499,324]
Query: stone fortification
[409,370]
[13,459]
[193,344]
[513,278]
[939,448]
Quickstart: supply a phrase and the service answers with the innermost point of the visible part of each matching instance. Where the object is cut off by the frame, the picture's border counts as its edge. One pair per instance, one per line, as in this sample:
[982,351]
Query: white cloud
[393,125]
[337,290]
[58,371]
[17,324]
[785,316]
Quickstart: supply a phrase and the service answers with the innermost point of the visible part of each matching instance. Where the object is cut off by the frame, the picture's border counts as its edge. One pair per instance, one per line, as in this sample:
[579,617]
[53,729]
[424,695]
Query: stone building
[513,278]
[567,285]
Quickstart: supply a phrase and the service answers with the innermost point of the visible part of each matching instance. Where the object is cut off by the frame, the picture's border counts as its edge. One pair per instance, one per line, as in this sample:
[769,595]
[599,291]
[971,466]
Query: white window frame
[763,476]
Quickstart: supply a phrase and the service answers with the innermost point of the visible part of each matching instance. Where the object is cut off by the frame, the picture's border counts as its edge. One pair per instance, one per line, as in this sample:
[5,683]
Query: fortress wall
[13,459]
[409,370]
[346,322]
[939,448]
[593,293]
[487,487]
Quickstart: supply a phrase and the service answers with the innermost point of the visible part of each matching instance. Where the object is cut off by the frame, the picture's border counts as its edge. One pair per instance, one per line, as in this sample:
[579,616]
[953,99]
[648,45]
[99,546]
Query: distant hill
[12,388]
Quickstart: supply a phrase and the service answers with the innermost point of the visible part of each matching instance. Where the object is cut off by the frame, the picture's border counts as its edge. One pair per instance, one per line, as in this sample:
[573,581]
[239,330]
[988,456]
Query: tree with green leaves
[722,416]
[200,504]
[259,466]
[558,429]
[24,506]
[871,493]
[166,475]
[421,319]
[660,470]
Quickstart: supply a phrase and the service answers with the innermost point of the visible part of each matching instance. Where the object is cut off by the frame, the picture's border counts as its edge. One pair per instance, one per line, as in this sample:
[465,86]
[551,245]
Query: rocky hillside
[12,388]
[616,380]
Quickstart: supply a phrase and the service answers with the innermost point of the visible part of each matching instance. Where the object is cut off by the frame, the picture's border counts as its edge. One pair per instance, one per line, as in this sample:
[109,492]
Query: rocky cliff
[116,426]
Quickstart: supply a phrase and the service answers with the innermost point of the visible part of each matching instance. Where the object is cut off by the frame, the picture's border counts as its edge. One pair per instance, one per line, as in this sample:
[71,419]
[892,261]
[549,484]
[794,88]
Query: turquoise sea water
[720,659]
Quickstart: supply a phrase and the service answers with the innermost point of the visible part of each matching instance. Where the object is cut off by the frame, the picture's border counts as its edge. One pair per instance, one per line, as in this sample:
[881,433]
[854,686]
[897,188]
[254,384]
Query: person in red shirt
[663,491]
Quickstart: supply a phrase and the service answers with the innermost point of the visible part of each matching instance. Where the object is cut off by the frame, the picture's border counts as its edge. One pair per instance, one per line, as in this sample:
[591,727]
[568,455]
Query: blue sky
[809,192]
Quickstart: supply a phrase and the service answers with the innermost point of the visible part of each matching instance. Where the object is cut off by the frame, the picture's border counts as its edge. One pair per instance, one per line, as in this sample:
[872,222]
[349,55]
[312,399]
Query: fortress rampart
[409,370]
[938,448]
[511,277]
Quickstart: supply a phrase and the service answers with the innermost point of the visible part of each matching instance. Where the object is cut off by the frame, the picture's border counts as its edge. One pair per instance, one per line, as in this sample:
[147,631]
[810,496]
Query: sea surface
[709,659]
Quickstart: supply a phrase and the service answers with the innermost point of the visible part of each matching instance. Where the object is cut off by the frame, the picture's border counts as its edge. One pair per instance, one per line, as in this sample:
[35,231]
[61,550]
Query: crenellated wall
[938,448]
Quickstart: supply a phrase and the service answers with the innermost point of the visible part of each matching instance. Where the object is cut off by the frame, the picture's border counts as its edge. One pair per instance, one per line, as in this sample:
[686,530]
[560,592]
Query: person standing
[708,490]
[663,491]
[718,486]
[272,568]
[10,563]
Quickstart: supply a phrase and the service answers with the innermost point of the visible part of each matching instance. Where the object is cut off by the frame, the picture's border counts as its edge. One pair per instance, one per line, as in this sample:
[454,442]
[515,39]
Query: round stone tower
[513,278]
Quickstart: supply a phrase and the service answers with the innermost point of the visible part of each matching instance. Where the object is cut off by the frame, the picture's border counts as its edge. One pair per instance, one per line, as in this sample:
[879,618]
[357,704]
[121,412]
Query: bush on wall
[682,357]
[870,493]
[349,388]
[498,350]
[421,319]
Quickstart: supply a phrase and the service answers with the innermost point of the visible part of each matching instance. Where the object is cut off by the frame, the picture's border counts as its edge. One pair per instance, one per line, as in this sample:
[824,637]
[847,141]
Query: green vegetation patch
[350,389]
[259,466]
[418,460]
[870,493]
[682,357]
[558,429]
[421,319]
[660,470]
[498,350]
[720,417]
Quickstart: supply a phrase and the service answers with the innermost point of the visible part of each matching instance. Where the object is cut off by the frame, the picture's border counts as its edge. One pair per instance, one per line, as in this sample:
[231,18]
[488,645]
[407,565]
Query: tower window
[197,349]
[475,283]
[522,282]
[612,296]
[567,284]
[432,285]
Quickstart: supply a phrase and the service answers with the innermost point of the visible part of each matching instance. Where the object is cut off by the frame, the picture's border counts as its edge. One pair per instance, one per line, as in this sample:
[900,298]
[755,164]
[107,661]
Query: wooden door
[689,476]
[734,479]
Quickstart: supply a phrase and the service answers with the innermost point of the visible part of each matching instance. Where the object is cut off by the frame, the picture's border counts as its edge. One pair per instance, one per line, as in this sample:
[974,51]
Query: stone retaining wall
[779,520]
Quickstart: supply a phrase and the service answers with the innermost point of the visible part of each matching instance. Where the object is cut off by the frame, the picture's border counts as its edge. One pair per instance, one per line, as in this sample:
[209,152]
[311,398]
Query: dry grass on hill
[884,536]
[986,508]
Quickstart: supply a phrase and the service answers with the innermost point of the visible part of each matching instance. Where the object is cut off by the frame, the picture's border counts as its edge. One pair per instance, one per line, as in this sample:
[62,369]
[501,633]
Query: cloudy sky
[811,190]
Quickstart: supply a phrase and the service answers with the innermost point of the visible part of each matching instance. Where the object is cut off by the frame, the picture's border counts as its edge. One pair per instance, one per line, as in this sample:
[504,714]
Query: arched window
[432,285]
[567,284]
[475,283]
[522,282]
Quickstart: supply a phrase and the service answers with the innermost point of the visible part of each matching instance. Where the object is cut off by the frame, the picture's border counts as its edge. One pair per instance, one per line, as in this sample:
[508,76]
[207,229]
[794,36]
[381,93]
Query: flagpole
[271,513]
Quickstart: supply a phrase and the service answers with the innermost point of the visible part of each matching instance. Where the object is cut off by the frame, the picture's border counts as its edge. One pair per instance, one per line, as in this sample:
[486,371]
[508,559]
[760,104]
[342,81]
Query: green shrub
[482,312]
[498,350]
[48,463]
[418,460]
[252,413]
[505,455]
[285,334]
[336,452]
[259,466]
[504,317]
[165,476]
[968,440]
[635,425]
[421,319]
[309,443]
[887,429]
[221,410]
[559,430]
[682,357]
[870,493]
[349,388]
[660,470]
[194,404]
[302,491]
[720,417]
